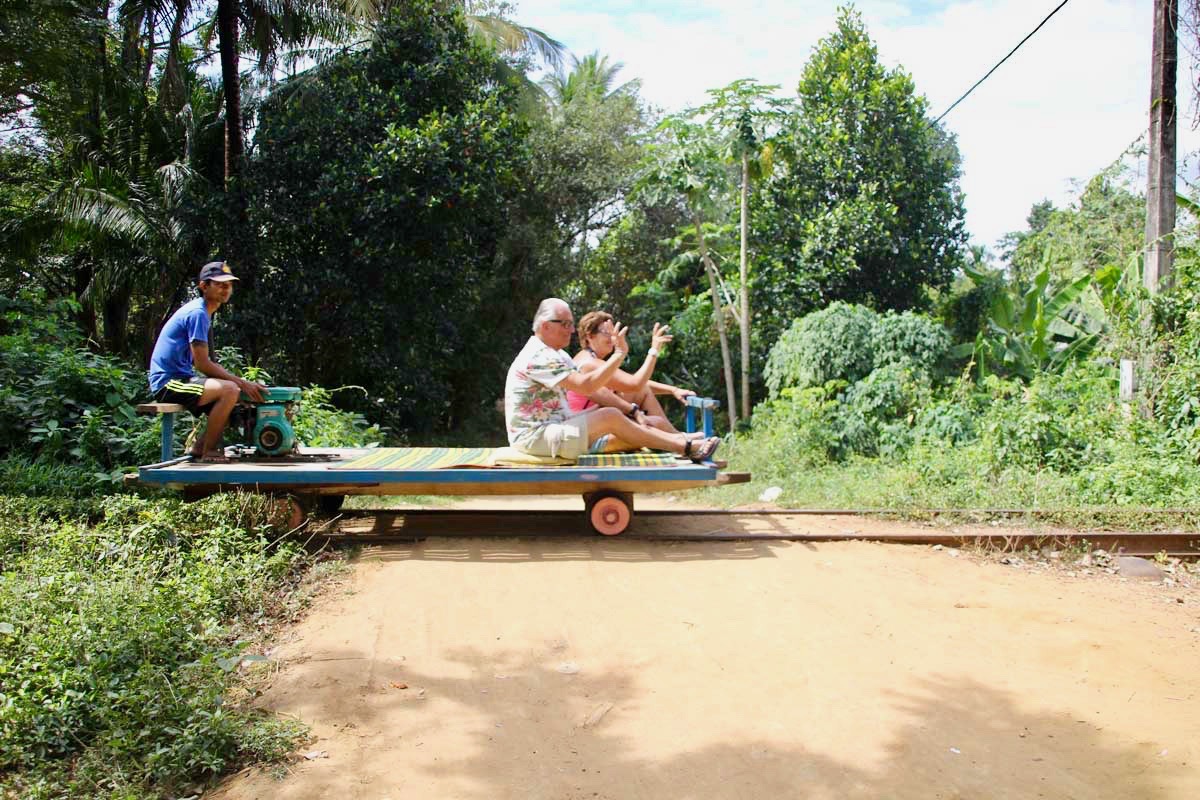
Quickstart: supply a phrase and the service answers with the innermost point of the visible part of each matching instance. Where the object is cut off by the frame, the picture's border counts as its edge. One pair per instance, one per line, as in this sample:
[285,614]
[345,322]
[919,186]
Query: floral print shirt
[533,395]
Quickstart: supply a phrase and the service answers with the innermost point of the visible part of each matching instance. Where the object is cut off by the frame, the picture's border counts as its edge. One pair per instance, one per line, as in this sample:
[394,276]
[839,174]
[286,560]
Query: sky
[1062,108]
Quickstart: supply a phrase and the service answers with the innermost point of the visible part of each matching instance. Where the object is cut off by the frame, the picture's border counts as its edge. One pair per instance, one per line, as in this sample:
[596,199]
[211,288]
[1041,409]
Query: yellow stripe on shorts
[185,388]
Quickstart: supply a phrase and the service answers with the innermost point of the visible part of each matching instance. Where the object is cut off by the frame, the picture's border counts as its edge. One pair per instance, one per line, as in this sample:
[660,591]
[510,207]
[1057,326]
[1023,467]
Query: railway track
[784,525]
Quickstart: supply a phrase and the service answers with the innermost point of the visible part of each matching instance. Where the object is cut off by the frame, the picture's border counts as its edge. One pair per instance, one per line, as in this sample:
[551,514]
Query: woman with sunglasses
[633,394]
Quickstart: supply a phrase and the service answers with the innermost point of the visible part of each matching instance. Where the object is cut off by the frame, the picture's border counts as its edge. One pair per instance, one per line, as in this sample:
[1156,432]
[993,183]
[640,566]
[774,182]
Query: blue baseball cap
[217,271]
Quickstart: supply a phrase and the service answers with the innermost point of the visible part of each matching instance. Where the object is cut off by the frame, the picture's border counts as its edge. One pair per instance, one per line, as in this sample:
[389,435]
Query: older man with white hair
[541,423]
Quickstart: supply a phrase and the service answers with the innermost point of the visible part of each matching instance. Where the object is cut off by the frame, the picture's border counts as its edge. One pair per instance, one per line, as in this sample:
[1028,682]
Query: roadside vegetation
[1006,393]
[131,624]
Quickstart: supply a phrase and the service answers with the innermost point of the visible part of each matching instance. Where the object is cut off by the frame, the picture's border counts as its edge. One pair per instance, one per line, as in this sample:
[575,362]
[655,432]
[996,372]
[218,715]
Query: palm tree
[591,78]
[264,28]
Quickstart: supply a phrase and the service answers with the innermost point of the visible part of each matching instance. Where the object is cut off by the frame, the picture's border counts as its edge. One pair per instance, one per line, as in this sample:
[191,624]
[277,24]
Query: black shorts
[186,393]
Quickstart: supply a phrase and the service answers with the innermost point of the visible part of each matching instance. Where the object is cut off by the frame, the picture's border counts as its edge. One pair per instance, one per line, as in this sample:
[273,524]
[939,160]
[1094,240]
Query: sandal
[701,451]
[212,458]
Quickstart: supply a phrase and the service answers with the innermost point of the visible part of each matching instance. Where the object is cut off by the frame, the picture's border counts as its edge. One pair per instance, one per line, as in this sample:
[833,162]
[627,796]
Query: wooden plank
[159,408]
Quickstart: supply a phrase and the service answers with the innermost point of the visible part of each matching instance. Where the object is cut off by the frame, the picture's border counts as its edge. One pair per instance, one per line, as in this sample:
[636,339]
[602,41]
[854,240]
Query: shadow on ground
[956,739]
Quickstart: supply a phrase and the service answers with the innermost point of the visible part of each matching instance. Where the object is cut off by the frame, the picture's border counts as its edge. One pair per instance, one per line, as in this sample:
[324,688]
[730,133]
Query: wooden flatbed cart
[321,478]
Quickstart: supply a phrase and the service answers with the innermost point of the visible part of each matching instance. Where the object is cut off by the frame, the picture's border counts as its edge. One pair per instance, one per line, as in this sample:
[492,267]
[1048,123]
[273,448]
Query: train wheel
[193,493]
[609,514]
[330,503]
[291,511]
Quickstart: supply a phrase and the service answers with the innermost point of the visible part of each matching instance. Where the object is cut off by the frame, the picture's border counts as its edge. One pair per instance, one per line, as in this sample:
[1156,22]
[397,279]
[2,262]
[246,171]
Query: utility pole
[1160,183]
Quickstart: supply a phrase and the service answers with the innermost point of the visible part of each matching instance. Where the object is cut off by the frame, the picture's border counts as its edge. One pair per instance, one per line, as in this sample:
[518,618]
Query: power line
[993,69]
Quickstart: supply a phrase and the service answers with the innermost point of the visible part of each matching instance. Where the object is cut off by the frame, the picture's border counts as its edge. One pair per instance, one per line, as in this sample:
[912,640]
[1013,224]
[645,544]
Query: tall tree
[747,115]
[587,149]
[686,162]
[262,28]
[390,178]
[864,204]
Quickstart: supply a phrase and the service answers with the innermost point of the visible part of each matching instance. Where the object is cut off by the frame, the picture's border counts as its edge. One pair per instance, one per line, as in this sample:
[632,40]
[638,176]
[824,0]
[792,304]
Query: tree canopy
[387,178]
[864,205]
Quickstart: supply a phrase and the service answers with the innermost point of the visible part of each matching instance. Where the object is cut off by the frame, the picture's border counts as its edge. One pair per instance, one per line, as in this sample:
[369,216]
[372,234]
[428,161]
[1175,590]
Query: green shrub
[948,420]
[1062,421]
[966,307]
[1139,480]
[61,402]
[886,401]
[1177,395]
[319,423]
[834,344]
[120,640]
[798,429]
[911,340]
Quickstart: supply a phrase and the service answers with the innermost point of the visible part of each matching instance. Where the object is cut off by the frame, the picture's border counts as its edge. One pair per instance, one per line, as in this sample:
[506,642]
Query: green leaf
[1067,295]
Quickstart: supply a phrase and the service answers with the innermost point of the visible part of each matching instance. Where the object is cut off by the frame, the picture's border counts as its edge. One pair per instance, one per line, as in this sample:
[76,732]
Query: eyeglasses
[569,324]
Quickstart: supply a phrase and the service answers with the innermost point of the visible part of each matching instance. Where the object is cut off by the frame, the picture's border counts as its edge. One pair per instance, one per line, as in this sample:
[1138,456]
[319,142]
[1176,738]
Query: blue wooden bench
[168,412]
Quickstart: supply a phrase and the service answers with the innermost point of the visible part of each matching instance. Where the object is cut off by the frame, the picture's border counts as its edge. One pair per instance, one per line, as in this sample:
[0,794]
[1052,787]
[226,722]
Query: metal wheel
[609,513]
[269,439]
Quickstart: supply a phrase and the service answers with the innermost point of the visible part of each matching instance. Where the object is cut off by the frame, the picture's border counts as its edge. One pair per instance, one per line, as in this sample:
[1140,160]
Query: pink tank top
[579,402]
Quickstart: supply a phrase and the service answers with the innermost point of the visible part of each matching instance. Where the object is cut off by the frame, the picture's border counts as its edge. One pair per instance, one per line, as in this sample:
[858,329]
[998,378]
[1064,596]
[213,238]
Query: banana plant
[1038,330]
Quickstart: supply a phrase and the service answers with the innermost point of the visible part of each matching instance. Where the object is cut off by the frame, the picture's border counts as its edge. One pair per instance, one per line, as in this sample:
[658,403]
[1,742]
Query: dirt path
[595,668]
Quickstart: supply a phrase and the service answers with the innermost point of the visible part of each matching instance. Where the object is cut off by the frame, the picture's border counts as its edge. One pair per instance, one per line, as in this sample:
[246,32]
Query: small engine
[267,426]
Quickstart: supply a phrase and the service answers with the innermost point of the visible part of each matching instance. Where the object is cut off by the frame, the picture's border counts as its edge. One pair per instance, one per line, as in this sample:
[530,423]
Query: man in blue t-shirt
[182,348]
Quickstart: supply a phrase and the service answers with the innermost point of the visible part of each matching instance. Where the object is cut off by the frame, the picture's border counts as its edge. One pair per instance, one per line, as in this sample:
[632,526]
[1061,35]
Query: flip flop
[701,451]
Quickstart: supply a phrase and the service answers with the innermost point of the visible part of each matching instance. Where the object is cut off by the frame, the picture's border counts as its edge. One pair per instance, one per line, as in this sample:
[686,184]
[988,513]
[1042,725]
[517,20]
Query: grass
[951,478]
[371,502]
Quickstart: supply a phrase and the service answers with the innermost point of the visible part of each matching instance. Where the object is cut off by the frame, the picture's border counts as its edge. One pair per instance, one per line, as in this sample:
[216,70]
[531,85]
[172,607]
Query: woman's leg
[604,421]
[655,415]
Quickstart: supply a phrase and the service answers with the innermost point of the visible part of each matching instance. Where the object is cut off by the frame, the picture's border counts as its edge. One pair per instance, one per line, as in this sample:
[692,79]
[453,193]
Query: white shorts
[566,439]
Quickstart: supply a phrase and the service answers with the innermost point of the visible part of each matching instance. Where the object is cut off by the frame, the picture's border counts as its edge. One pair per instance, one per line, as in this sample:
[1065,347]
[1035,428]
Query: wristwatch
[632,414]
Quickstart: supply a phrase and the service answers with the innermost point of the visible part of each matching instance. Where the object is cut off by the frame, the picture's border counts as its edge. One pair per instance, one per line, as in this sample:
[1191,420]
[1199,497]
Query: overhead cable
[1001,61]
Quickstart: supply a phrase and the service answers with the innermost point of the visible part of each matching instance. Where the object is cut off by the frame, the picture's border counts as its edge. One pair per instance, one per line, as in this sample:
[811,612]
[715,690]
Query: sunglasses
[566,323]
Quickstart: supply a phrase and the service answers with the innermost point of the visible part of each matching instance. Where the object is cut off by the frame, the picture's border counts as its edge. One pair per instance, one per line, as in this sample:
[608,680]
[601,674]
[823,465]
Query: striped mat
[627,460]
[398,458]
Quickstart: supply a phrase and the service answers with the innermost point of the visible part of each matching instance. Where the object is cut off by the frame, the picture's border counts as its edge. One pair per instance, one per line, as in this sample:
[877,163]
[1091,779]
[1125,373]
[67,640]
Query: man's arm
[214,370]
[588,382]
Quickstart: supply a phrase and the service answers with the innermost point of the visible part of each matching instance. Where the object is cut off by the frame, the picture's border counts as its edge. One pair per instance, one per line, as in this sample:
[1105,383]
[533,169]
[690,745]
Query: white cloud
[1061,109]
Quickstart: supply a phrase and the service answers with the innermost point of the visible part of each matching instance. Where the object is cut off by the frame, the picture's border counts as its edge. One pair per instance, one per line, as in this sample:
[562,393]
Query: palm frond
[101,212]
[509,37]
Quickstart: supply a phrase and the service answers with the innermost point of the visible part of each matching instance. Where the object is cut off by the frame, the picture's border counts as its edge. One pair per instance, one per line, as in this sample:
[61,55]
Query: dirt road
[597,668]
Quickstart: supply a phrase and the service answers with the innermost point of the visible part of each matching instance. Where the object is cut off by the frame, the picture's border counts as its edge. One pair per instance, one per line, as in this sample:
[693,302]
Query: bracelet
[619,353]
[633,411]
[653,351]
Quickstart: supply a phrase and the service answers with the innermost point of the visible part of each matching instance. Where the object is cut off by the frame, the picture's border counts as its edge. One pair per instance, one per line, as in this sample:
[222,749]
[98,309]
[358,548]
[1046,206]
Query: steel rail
[702,525]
